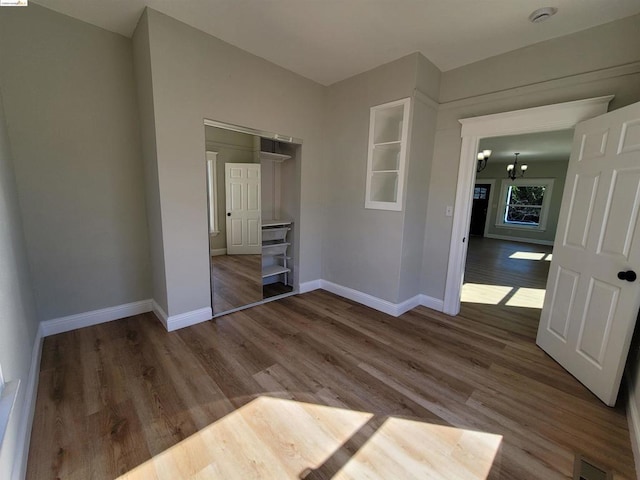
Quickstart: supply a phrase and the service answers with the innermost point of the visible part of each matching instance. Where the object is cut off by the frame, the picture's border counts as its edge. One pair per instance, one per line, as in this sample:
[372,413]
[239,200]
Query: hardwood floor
[315,386]
[236,281]
[499,272]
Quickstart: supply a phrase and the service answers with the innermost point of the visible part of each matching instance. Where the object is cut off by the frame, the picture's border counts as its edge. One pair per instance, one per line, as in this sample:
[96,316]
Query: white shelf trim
[275,223]
[274,157]
[274,270]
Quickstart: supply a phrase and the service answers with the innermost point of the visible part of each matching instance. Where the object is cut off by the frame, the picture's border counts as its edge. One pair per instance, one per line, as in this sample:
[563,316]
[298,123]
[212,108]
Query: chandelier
[513,168]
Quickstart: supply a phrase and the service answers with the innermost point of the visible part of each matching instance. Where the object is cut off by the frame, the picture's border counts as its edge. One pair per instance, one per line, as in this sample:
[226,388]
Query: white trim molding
[19,469]
[182,320]
[633,417]
[159,313]
[8,396]
[218,251]
[310,286]
[539,119]
[390,308]
[432,303]
[87,319]
[394,309]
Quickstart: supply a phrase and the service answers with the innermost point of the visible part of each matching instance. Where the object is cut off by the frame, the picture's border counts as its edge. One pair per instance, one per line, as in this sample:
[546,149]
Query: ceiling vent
[542,14]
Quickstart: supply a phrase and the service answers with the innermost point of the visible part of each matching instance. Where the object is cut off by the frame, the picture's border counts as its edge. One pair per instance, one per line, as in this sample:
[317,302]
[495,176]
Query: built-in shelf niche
[388,134]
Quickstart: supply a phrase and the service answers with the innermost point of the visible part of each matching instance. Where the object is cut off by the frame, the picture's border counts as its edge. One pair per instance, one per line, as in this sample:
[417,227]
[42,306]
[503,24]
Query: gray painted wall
[196,76]
[362,248]
[473,98]
[73,125]
[547,169]
[604,46]
[145,92]
[18,322]
[420,157]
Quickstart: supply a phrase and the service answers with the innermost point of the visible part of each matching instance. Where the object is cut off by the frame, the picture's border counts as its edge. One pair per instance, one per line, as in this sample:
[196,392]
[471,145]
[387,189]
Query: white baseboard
[310,286]
[218,251]
[432,303]
[175,322]
[86,319]
[407,305]
[360,297]
[19,469]
[633,419]
[519,239]
[160,313]
[390,308]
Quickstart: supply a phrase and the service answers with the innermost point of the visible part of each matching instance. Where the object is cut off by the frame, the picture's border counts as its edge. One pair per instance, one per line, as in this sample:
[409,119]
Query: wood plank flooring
[236,281]
[315,386]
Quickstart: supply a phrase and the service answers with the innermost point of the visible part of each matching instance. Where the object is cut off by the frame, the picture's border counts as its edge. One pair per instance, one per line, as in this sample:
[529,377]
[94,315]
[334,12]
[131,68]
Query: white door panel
[589,313]
[244,232]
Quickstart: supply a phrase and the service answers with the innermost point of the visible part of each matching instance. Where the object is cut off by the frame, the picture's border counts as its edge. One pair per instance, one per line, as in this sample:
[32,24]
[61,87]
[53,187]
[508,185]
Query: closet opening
[253,205]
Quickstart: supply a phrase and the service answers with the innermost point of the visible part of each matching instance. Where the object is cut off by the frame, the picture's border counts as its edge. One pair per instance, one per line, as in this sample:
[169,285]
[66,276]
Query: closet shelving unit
[276,242]
[274,248]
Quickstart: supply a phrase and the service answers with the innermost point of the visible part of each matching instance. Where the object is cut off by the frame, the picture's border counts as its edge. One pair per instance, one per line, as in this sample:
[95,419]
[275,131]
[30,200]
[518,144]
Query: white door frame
[558,116]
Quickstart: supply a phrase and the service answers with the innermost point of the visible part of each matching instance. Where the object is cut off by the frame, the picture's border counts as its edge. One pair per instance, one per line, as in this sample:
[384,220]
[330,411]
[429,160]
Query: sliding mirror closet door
[234,206]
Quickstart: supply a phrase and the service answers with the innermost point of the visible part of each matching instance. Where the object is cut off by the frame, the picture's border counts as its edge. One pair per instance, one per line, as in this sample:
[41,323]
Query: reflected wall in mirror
[234,198]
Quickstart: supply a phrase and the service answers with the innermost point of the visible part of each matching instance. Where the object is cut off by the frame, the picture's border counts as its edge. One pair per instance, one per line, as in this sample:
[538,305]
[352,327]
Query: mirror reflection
[233,184]
[250,212]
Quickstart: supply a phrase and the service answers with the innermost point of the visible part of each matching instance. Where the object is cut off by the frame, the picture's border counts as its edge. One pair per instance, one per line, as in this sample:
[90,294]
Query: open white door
[592,298]
[242,183]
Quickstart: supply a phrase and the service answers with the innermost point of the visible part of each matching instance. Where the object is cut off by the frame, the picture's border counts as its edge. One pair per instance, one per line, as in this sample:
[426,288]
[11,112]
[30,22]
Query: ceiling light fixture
[542,14]
[483,158]
[512,168]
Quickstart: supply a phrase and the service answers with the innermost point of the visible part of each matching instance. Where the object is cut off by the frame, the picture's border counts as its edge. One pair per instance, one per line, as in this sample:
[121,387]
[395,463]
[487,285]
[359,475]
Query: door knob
[228,214]
[629,276]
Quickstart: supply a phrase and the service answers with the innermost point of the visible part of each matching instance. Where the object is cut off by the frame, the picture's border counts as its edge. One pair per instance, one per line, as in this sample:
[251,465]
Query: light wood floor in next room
[314,386]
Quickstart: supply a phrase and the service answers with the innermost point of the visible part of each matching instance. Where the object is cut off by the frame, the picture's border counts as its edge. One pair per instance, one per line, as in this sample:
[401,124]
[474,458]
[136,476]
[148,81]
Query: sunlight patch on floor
[397,447]
[527,255]
[274,438]
[502,295]
[527,297]
[485,294]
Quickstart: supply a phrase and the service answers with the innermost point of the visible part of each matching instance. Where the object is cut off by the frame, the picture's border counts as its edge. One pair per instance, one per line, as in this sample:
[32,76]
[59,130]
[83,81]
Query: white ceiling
[330,40]
[533,147]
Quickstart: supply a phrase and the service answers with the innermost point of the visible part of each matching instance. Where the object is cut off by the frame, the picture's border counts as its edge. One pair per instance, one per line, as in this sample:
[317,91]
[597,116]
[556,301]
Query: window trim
[544,210]
[212,178]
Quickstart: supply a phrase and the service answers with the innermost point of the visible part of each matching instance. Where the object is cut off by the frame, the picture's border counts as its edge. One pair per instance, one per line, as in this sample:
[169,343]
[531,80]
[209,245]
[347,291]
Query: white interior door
[242,186]
[589,312]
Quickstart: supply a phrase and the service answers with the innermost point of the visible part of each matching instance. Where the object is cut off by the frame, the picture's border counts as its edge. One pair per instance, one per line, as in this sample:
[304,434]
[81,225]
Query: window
[212,178]
[480,193]
[525,203]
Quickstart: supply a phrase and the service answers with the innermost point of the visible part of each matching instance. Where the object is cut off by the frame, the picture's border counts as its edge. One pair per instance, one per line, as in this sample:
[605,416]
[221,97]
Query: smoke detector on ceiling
[542,14]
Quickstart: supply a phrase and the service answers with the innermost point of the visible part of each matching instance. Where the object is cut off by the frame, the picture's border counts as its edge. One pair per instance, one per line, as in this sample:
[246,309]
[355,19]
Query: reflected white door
[589,313]
[244,234]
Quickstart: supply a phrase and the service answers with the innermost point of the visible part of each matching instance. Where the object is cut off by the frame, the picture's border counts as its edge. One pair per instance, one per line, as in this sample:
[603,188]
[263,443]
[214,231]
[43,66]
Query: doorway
[480,208]
[538,119]
[513,223]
